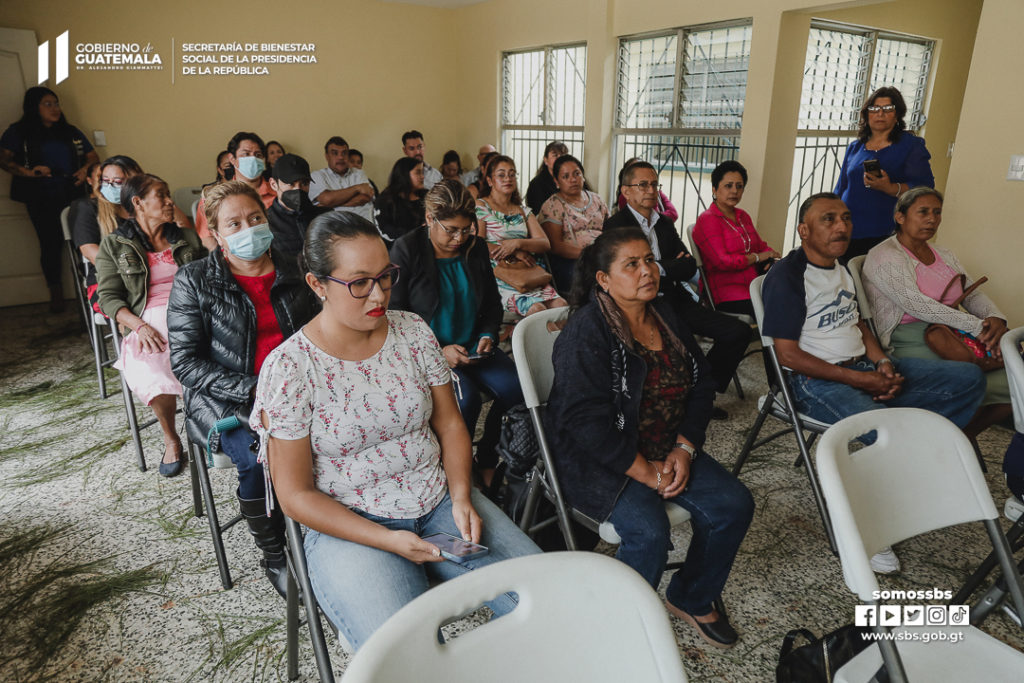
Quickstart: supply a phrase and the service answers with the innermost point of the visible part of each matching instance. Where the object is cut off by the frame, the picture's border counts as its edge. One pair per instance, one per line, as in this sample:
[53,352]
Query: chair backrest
[1010,346]
[694,249]
[194,210]
[758,303]
[920,474]
[610,627]
[856,266]
[532,344]
[64,218]
[184,196]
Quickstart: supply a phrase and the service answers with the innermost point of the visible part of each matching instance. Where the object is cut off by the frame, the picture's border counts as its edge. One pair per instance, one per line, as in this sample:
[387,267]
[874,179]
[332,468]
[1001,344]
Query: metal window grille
[543,93]
[679,105]
[844,65]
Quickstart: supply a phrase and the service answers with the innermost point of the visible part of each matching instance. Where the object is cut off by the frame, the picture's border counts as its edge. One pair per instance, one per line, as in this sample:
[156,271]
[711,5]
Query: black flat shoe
[718,633]
[172,469]
[718,414]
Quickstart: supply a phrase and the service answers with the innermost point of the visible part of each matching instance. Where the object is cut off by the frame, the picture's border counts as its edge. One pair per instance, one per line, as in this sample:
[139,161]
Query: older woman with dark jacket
[135,269]
[448,281]
[627,414]
[226,314]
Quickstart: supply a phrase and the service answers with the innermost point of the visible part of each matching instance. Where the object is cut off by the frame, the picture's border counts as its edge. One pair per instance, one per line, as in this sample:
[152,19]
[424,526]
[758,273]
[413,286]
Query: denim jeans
[949,388]
[721,508]
[359,587]
[235,445]
[497,376]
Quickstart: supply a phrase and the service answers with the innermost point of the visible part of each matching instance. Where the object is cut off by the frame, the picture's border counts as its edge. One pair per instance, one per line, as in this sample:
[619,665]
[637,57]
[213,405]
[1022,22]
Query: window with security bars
[844,65]
[679,105]
[543,93]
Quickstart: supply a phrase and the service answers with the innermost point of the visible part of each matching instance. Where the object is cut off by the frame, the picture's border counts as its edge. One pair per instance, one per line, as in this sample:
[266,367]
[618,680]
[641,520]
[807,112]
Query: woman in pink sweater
[732,251]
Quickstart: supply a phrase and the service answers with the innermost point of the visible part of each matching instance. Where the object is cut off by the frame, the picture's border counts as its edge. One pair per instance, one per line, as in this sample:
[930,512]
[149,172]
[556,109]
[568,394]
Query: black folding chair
[202,496]
[298,578]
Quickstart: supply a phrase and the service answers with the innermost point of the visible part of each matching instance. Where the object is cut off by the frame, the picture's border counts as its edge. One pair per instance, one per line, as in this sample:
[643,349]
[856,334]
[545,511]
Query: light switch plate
[100,138]
[1016,171]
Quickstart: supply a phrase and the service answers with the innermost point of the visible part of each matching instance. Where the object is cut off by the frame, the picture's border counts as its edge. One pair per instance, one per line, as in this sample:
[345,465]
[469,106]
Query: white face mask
[251,167]
[250,244]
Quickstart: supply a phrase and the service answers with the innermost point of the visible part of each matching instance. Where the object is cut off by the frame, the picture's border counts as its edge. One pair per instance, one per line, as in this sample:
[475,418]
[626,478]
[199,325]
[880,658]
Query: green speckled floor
[66,461]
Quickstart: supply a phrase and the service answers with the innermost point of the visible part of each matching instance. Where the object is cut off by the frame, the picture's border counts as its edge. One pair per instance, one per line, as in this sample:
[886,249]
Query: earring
[323,298]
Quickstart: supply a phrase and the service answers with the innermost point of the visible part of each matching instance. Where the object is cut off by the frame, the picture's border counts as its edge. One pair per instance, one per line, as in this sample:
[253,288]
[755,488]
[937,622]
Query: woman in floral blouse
[365,443]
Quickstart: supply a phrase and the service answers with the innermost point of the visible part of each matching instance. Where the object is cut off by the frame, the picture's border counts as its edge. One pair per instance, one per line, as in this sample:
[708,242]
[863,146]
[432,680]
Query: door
[21,280]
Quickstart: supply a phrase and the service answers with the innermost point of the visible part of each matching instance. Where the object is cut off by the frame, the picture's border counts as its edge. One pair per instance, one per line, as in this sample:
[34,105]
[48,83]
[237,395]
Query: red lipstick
[376,312]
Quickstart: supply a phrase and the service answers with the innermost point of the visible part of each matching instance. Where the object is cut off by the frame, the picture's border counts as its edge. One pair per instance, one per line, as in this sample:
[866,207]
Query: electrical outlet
[1016,171]
[100,138]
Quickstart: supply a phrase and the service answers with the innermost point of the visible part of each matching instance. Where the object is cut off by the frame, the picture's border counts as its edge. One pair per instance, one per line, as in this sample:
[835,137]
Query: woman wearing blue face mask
[225,315]
[135,268]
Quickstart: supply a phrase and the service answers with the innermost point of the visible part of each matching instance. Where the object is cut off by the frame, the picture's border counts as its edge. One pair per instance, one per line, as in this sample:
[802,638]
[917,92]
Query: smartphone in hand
[872,167]
[455,549]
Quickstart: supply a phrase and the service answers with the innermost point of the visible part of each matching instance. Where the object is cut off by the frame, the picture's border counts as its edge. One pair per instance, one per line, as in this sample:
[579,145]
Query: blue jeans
[721,508]
[359,587]
[949,388]
[235,445]
[497,376]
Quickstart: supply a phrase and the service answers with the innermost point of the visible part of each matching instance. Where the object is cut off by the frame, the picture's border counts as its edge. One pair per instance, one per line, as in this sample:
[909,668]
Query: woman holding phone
[364,441]
[883,162]
[448,281]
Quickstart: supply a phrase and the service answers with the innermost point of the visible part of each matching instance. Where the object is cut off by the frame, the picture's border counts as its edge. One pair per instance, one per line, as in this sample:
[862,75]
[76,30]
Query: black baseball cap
[290,168]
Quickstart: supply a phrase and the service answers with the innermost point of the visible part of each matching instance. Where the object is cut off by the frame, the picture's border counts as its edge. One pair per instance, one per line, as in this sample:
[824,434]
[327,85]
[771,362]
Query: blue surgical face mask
[251,167]
[112,193]
[250,244]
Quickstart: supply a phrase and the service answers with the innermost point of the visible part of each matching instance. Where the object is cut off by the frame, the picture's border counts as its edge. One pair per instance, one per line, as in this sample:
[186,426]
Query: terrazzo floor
[68,467]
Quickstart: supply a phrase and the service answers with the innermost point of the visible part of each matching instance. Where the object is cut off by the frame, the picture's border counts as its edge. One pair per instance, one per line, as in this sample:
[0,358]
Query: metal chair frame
[202,496]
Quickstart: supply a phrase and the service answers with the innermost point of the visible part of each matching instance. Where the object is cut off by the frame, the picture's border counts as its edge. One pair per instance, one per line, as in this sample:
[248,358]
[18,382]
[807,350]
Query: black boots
[268,533]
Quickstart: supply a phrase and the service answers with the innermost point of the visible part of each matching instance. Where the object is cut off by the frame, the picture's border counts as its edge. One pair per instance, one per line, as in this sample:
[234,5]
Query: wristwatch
[688,448]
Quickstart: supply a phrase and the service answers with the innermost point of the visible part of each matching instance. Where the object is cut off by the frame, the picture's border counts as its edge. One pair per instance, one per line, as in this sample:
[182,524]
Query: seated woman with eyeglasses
[513,234]
[365,443]
[447,280]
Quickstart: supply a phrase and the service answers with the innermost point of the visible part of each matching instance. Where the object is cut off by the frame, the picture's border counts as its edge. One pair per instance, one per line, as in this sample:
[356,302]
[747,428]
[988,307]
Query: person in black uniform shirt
[640,187]
[292,212]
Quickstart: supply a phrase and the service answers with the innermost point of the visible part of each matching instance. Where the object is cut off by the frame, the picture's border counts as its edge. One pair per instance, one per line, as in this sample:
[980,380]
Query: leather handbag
[821,658]
[520,275]
[950,343]
[517,442]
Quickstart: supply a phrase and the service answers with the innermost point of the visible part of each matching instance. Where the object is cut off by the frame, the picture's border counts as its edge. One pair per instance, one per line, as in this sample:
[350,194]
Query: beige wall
[383,68]
[982,214]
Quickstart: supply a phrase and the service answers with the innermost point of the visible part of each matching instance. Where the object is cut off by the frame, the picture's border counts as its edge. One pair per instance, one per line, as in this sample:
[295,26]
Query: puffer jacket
[122,270]
[211,325]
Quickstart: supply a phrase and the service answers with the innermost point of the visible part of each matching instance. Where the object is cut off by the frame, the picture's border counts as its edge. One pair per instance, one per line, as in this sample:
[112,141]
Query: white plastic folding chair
[184,196]
[856,268]
[609,627]
[778,403]
[194,210]
[532,345]
[919,475]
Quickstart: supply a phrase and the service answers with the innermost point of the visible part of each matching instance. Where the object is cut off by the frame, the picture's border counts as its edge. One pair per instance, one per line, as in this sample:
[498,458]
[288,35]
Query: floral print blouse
[368,421]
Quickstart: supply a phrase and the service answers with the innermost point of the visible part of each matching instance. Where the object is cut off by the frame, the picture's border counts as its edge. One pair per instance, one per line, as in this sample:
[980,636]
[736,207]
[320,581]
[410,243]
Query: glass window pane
[523,88]
[647,71]
[834,74]
[714,79]
[567,86]
[904,65]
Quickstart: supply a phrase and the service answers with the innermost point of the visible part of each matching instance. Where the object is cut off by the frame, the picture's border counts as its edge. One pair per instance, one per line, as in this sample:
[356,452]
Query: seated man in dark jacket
[292,212]
[640,187]
[226,313]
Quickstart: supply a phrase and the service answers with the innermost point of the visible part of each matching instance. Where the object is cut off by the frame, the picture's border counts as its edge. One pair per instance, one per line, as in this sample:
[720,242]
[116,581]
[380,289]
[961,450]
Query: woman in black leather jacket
[225,315]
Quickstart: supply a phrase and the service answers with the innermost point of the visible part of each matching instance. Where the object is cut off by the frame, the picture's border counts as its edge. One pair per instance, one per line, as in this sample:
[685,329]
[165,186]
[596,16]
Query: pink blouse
[931,280]
[724,245]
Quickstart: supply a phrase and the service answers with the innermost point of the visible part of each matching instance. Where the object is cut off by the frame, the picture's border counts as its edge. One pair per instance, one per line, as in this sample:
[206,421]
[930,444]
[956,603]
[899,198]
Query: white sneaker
[885,562]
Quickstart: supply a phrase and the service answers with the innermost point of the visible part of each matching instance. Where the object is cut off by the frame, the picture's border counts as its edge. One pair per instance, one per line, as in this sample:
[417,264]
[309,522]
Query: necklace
[741,231]
[650,338]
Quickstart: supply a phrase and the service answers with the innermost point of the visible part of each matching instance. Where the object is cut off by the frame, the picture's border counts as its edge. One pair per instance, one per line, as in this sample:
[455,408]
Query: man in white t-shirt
[839,368]
[340,187]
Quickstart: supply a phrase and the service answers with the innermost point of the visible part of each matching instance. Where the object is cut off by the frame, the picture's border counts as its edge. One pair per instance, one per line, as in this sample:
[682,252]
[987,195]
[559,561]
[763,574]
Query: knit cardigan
[890,281]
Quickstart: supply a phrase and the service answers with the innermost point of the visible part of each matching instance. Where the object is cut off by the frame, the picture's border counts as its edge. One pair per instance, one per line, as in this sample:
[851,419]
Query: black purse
[818,661]
[517,443]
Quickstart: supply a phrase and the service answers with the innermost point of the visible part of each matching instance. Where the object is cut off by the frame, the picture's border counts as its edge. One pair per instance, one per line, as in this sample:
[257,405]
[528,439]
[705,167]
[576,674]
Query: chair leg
[292,625]
[193,469]
[133,422]
[564,521]
[211,516]
[316,630]
[1014,536]
[1011,573]
[739,387]
[754,431]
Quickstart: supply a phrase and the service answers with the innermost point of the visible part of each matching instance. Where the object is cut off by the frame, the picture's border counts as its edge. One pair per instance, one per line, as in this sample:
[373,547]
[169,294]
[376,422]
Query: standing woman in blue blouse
[902,163]
[48,159]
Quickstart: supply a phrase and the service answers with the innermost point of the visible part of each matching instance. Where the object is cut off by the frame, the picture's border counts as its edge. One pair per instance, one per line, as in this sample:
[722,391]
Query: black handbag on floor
[517,444]
[818,661]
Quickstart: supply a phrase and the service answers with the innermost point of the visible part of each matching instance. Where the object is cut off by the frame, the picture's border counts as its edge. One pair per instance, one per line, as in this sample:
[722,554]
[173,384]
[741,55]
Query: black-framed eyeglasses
[362,287]
[886,108]
[464,233]
[644,186]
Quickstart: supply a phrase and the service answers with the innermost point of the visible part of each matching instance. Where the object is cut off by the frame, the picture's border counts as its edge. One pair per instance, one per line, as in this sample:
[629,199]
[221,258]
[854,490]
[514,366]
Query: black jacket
[669,244]
[593,413]
[540,188]
[417,289]
[398,215]
[289,227]
[212,333]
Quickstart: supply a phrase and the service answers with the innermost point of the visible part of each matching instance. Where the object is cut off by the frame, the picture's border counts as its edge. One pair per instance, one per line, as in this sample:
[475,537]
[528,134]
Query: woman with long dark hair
[49,159]
[883,162]
[400,205]
[543,184]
